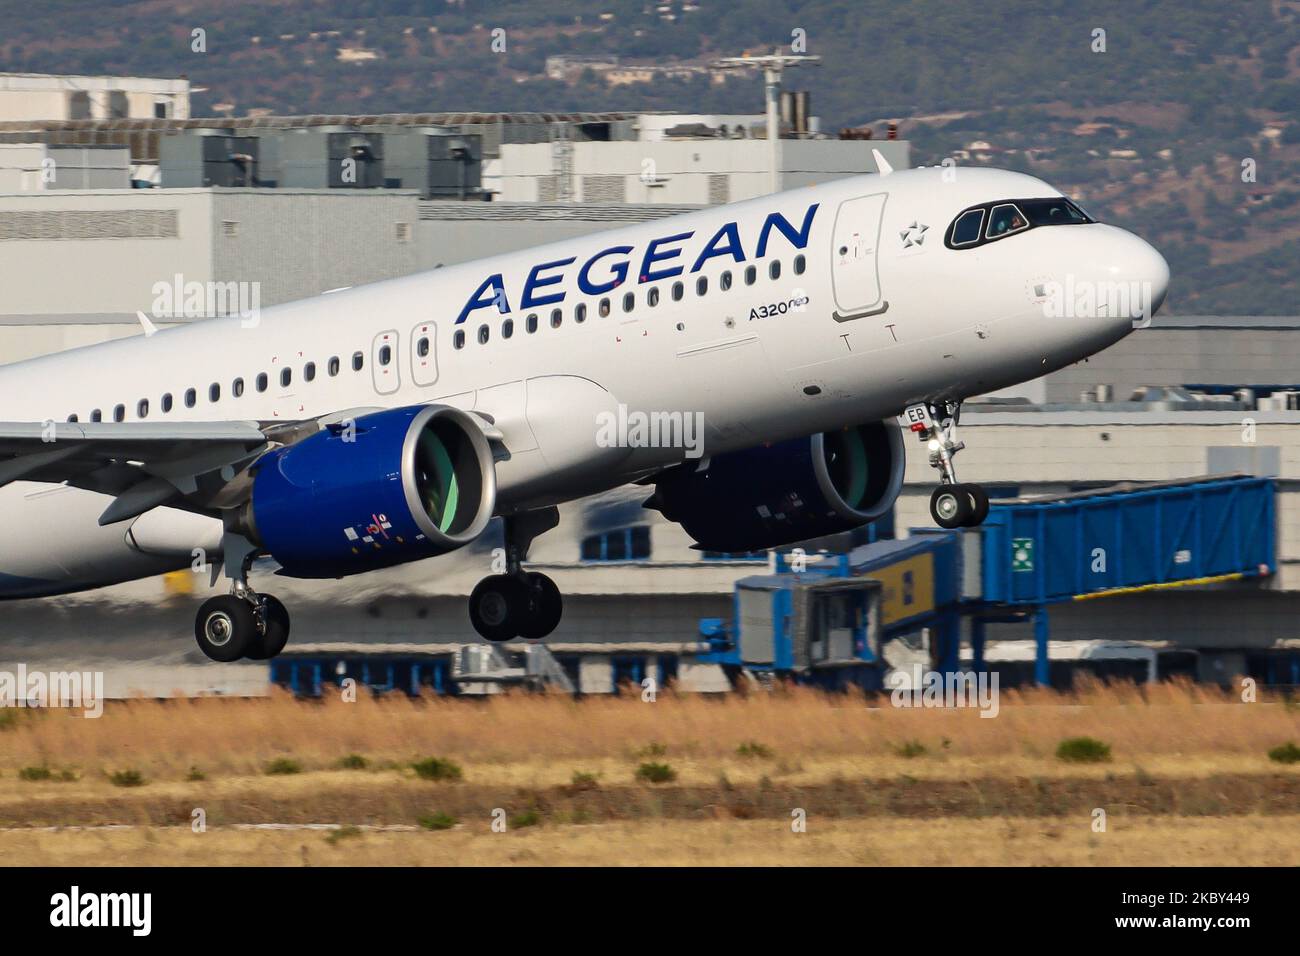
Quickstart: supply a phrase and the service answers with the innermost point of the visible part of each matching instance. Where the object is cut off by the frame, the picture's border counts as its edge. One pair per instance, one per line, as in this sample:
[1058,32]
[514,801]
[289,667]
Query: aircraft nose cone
[1132,262]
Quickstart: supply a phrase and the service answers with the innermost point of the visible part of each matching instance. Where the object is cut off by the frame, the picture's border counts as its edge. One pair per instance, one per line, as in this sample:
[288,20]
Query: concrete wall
[1239,350]
[686,171]
[92,251]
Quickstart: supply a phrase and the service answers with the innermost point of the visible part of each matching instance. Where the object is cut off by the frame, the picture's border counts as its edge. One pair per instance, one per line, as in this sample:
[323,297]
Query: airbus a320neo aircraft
[389,423]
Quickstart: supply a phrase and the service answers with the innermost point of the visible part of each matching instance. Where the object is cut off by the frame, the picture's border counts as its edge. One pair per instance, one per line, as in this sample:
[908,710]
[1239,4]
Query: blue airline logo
[607,269]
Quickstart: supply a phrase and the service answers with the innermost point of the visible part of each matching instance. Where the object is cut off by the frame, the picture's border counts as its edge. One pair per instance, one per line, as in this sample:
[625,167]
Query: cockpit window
[1052,212]
[991,221]
[967,228]
[1005,219]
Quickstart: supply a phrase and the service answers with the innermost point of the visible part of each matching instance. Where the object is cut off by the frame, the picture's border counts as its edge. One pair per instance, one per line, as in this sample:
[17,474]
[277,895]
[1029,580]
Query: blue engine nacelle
[390,487]
[778,494]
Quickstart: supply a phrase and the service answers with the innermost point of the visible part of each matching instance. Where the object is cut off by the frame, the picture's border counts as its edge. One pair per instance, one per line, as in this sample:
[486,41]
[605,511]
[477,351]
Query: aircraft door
[855,270]
[383,363]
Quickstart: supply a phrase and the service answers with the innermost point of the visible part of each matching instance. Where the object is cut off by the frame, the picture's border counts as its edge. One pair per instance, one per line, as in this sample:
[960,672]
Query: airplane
[809,331]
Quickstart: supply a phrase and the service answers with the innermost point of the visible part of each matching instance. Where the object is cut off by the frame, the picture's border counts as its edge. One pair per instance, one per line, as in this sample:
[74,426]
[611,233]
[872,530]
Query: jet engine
[778,494]
[390,487]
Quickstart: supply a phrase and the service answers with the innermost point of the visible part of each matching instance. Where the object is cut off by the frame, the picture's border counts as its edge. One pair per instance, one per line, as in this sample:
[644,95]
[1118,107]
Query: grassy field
[1182,775]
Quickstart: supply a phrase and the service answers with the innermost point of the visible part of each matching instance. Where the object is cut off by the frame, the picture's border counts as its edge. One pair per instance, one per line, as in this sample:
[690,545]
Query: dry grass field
[685,780]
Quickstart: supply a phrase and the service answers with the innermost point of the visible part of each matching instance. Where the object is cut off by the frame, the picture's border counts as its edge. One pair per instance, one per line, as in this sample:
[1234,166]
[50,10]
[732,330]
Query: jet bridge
[1030,554]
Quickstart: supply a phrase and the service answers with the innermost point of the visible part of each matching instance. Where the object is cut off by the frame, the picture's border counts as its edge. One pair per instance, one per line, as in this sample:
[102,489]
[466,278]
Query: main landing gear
[243,623]
[518,603]
[952,505]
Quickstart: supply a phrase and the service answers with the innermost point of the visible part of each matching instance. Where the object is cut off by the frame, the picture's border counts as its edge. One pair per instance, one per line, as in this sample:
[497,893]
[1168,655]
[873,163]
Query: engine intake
[778,494]
[391,487]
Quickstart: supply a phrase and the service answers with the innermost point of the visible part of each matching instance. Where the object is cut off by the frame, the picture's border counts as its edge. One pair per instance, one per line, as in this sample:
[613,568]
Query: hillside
[1152,133]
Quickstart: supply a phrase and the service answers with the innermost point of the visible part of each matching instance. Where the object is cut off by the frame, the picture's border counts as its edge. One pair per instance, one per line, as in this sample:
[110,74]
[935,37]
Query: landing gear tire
[546,607]
[225,628]
[498,607]
[951,506]
[275,630]
[980,505]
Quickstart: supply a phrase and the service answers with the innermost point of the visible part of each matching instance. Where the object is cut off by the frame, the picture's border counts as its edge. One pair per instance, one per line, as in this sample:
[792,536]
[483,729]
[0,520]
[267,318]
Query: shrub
[196,774]
[437,821]
[126,778]
[529,818]
[1287,753]
[353,762]
[656,773]
[35,773]
[752,748]
[1083,750]
[910,749]
[436,768]
[584,781]
[282,766]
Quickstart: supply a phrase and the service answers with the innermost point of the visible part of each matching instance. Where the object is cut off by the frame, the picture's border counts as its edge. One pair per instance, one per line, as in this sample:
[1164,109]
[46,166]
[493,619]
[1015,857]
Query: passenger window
[334,360]
[1004,220]
[262,381]
[214,392]
[359,360]
[72,417]
[309,371]
[119,413]
[530,323]
[237,387]
[142,408]
[678,291]
[458,340]
[799,264]
[751,274]
[580,312]
[386,354]
[702,285]
[774,269]
[484,333]
[724,281]
[629,301]
[422,347]
[191,398]
[604,308]
[507,328]
[167,402]
[96,416]
[286,377]
[556,318]
[652,296]
[967,228]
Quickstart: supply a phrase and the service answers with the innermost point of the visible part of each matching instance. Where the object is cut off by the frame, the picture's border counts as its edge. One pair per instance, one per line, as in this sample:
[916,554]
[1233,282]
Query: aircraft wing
[142,464]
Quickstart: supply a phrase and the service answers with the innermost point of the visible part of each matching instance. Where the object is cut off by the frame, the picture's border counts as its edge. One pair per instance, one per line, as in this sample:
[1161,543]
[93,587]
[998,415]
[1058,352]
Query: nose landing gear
[952,505]
[518,603]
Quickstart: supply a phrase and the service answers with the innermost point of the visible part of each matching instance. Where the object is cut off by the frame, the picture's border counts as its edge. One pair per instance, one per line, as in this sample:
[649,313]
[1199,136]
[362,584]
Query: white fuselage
[874,321]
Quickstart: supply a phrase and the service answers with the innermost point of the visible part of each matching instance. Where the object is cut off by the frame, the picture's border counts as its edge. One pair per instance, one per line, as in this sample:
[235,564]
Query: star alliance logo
[913,235]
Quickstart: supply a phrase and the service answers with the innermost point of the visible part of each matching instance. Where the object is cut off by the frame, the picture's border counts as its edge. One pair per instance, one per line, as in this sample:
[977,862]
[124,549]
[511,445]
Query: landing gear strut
[243,623]
[518,603]
[952,505]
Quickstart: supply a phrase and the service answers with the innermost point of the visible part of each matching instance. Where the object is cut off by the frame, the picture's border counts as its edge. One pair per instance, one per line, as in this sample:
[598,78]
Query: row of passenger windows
[190,398]
[606,305]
